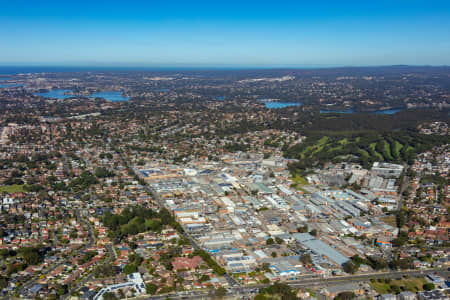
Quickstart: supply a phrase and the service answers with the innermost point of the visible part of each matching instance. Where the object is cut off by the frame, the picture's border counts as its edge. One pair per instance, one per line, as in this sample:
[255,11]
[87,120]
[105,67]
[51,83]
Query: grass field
[378,155]
[387,149]
[344,141]
[320,144]
[398,147]
[15,188]
[298,182]
[410,284]
[363,153]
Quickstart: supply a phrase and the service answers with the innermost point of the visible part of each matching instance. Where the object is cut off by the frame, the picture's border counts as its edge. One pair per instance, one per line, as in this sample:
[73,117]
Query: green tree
[377,263]
[220,292]
[31,256]
[282,289]
[109,296]
[357,260]
[401,239]
[3,282]
[105,270]
[151,288]
[130,268]
[350,267]
[303,229]
[279,240]
[395,289]
[345,296]
[61,289]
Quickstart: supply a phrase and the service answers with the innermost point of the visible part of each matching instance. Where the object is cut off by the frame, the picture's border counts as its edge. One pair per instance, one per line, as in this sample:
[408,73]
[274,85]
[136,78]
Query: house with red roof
[187,263]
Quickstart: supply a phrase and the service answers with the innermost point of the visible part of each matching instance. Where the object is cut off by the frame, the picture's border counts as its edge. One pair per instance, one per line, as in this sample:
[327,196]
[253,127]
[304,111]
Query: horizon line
[214,66]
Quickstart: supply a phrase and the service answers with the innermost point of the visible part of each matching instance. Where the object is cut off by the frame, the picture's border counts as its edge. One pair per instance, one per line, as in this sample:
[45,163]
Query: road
[90,243]
[403,187]
[365,277]
[308,283]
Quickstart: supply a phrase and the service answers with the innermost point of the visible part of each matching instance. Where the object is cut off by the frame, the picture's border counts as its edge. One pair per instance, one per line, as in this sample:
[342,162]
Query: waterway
[111,96]
[10,85]
[108,95]
[275,105]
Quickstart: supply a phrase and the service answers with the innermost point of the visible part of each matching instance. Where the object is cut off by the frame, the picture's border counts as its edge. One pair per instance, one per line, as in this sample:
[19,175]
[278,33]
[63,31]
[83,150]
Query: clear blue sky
[233,33]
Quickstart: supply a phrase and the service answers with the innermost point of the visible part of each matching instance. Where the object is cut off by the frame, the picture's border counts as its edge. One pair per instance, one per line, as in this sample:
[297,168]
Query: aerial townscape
[268,184]
[224,150]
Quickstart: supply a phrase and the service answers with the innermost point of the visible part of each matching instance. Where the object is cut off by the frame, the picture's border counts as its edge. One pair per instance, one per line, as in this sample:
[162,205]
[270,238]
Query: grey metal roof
[320,247]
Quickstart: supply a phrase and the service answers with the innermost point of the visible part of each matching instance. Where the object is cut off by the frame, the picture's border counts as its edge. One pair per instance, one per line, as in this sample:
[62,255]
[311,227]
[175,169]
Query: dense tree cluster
[376,263]
[134,261]
[84,181]
[135,220]
[235,147]
[360,122]
[345,296]
[281,290]
[105,270]
[102,172]
[350,267]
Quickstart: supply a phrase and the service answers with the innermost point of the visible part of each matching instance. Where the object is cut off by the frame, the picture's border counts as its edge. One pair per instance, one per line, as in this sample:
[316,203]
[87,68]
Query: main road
[307,283]
[91,242]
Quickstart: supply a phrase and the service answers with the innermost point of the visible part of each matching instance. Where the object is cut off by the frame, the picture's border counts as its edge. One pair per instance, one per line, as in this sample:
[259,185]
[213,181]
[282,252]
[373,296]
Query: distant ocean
[12,70]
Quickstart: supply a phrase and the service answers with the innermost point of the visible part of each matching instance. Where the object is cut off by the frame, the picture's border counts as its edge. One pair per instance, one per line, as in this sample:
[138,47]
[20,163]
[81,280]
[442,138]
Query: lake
[10,85]
[108,95]
[377,112]
[111,96]
[275,105]
[387,111]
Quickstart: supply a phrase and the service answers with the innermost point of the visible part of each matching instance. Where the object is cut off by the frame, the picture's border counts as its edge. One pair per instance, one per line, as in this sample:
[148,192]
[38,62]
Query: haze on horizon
[232,33]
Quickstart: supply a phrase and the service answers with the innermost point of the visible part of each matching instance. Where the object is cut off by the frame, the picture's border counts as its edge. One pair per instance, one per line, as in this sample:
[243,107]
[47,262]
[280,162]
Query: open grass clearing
[408,284]
[10,189]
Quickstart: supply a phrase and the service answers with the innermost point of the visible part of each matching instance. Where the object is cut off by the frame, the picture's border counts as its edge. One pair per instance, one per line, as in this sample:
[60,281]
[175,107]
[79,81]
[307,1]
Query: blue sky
[224,33]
